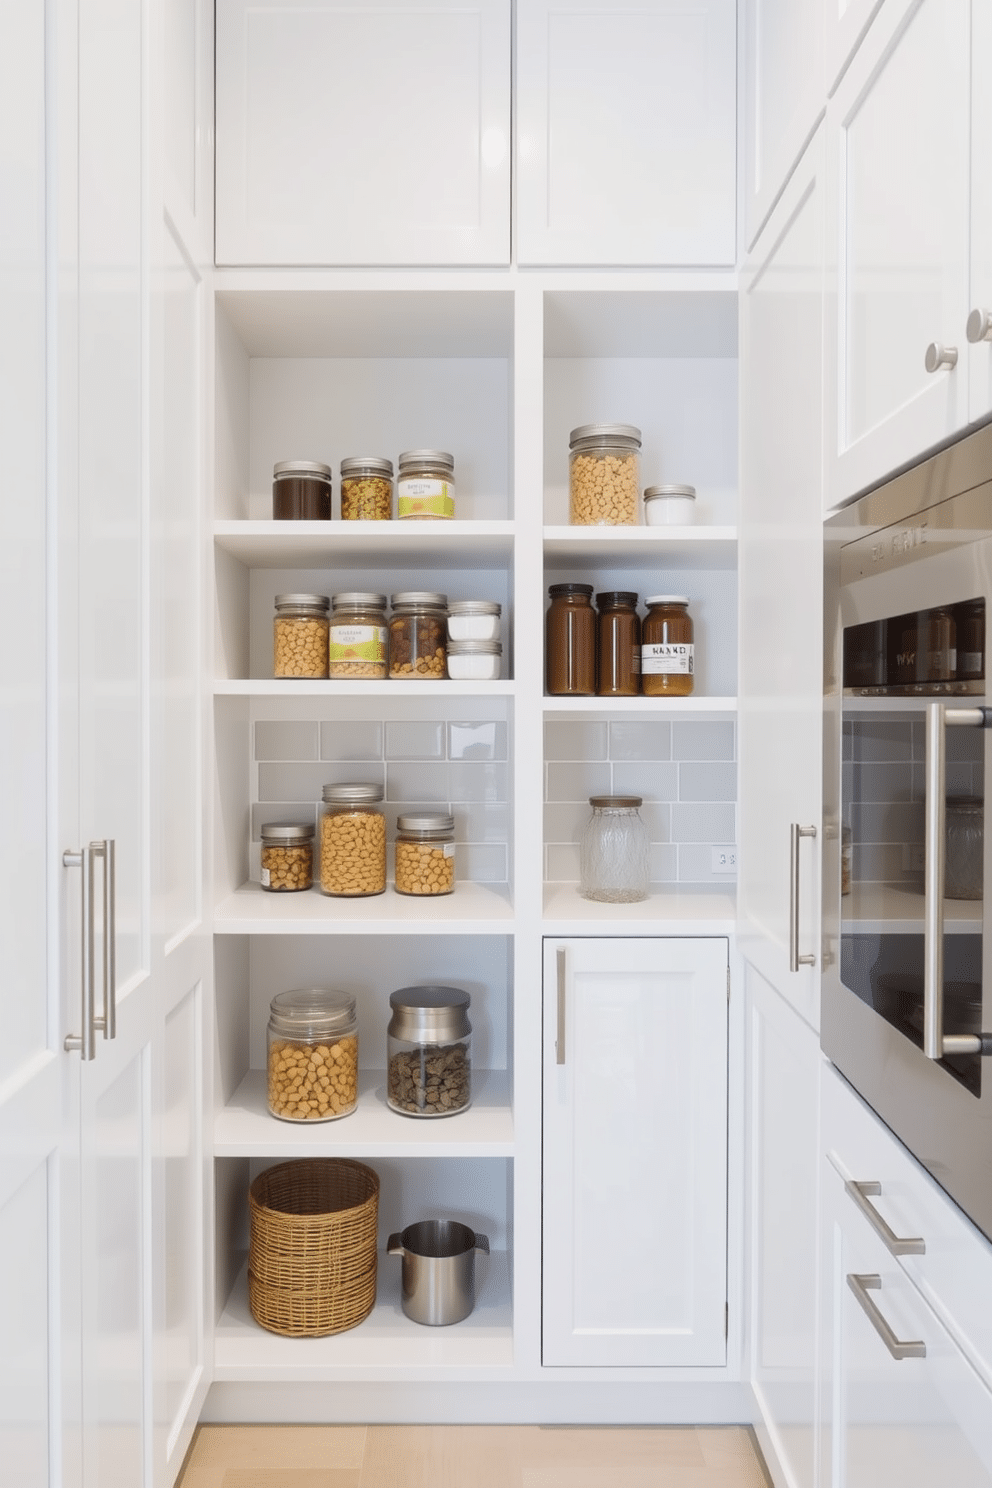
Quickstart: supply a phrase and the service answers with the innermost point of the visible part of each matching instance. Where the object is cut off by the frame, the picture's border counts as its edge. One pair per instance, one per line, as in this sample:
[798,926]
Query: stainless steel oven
[907,977]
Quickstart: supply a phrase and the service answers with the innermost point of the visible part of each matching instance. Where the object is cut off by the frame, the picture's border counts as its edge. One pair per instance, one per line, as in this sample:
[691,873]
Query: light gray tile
[280,811]
[701,823]
[664,862]
[703,741]
[351,741]
[873,862]
[410,740]
[564,821]
[575,741]
[480,863]
[422,782]
[657,817]
[483,821]
[707,782]
[640,741]
[306,782]
[285,741]
[696,865]
[647,778]
[579,781]
[477,741]
[889,782]
[965,744]
[900,822]
[563,864]
[846,742]
[483,782]
[881,742]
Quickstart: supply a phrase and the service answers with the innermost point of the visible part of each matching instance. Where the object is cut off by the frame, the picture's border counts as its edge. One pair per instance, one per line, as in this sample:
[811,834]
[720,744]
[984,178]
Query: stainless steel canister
[438,1277]
[429,1052]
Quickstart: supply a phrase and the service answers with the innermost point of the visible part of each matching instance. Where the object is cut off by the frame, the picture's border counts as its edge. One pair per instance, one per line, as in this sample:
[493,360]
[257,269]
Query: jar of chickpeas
[299,635]
[352,841]
[287,856]
[425,854]
[358,640]
[366,489]
[604,475]
[312,1055]
[418,635]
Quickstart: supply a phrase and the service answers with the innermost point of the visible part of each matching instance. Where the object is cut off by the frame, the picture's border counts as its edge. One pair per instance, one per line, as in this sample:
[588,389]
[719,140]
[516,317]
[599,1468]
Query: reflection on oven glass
[927,653]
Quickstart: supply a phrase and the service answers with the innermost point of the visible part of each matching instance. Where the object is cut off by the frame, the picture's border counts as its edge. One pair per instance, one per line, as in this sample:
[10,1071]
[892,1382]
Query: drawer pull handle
[938,357]
[899,1348]
[560,1040]
[979,327]
[896,1245]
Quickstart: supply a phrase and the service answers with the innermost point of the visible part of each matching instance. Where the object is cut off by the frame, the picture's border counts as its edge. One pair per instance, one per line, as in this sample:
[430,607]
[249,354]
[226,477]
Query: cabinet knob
[979,327]
[938,356]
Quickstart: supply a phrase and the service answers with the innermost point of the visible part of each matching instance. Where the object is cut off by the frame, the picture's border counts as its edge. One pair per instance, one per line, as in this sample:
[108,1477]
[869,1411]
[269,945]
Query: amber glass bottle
[619,649]
[667,659]
[571,641]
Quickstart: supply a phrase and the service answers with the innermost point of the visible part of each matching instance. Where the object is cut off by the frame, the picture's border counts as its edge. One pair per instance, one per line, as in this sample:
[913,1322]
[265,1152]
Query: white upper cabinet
[898,161]
[626,132]
[371,134]
[783,96]
[980,325]
[844,25]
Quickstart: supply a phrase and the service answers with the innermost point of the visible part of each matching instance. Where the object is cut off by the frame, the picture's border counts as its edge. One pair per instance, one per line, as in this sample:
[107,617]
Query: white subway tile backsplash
[477,741]
[415,741]
[640,741]
[292,782]
[888,782]
[562,863]
[575,741]
[707,782]
[351,741]
[647,778]
[482,821]
[286,741]
[884,741]
[701,823]
[664,863]
[481,863]
[712,740]
[280,811]
[422,781]
[881,821]
[578,781]
[564,820]
[481,780]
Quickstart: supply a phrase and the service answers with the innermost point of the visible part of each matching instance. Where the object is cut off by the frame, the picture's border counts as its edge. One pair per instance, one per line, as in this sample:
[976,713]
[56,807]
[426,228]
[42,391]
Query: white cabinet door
[626,132]
[899,183]
[844,23]
[783,1068]
[635,1152]
[781,577]
[980,298]
[370,134]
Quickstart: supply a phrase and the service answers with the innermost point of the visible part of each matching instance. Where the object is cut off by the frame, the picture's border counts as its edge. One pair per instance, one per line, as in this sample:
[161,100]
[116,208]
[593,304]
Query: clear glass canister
[312,1055]
[287,856]
[418,633]
[301,491]
[429,1051]
[299,635]
[667,652]
[425,854]
[604,475]
[366,489]
[618,644]
[964,835]
[358,642]
[425,485]
[571,641]
[352,841]
[614,852]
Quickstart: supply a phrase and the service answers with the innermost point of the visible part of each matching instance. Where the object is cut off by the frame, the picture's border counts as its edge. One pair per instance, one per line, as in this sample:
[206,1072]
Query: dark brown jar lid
[617,597]
[608,801]
[557,589]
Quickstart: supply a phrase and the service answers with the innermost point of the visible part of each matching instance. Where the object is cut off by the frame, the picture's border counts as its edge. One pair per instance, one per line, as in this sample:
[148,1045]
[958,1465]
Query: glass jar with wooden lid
[667,652]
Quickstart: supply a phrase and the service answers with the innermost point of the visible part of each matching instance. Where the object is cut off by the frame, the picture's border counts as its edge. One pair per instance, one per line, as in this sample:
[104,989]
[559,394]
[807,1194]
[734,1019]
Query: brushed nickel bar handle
[107,851]
[560,1040]
[899,1348]
[795,833]
[85,1041]
[896,1245]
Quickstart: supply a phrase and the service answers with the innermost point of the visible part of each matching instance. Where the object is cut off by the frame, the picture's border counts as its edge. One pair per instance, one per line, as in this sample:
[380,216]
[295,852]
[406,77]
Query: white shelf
[701,911]
[888,909]
[297,687]
[386,1345]
[244,1128]
[473,909]
[661,706]
[446,545]
[674,547]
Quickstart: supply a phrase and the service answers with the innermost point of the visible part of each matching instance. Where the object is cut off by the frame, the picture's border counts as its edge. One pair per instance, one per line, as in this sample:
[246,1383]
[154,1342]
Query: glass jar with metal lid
[366,489]
[571,641]
[417,635]
[669,505]
[352,841]
[618,644]
[358,643]
[429,1051]
[667,651]
[287,856]
[474,661]
[614,853]
[473,619]
[425,486]
[301,491]
[425,854]
[604,475]
[299,635]
[312,1055]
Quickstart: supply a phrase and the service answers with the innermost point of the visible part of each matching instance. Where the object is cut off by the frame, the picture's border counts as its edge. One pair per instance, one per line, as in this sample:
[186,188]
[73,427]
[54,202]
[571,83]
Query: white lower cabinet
[635,1152]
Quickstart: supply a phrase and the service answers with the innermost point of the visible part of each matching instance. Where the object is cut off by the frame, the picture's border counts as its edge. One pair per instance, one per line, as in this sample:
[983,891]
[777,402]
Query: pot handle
[482,1243]
[395,1246]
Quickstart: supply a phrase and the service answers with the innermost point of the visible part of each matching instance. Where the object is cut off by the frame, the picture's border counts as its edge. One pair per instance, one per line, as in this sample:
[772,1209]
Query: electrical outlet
[723,860]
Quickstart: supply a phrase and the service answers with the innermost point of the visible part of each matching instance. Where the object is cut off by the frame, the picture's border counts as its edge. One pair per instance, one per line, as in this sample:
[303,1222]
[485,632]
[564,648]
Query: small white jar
[473,620]
[669,506]
[474,661]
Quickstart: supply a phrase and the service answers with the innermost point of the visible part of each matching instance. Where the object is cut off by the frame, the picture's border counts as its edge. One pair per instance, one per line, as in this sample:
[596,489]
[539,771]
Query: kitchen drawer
[954,1273]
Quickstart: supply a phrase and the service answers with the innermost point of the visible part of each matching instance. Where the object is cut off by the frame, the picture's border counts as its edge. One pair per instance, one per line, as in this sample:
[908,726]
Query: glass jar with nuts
[425,485]
[366,489]
[418,634]
[429,1050]
[425,854]
[300,630]
[287,856]
[358,639]
[352,841]
[312,1055]
[604,475]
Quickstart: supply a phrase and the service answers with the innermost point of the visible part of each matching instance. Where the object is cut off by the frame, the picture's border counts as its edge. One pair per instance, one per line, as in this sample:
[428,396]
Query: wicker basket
[312,1252]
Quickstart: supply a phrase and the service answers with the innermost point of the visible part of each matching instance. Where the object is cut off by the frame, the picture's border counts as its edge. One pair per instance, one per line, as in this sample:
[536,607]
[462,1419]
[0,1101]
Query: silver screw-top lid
[587,435]
[302,601]
[311,1011]
[375,463]
[417,598]
[355,792]
[433,821]
[651,493]
[654,599]
[359,601]
[475,607]
[615,803]
[286,831]
[475,648]
[426,457]
[301,467]
[429,1013]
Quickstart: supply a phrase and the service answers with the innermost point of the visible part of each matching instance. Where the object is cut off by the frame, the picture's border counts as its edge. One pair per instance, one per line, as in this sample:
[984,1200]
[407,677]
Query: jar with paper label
[358,643]
[425,486]
[299,635]
[425,854]
[287,856]
[667,654]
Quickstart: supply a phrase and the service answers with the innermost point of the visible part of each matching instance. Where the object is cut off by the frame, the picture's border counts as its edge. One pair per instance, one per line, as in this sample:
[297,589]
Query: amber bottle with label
[619,648]
[667,654]
[571,641]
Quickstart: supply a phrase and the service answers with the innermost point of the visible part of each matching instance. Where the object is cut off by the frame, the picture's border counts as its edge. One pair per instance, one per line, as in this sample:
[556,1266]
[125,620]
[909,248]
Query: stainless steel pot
[438,1276]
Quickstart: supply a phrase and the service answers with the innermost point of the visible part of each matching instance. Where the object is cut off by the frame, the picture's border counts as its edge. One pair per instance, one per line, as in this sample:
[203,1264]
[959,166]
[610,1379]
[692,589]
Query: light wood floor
[473,1457]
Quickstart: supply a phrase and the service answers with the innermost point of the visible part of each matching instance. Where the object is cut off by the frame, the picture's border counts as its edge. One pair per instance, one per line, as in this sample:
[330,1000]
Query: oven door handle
[936,1043]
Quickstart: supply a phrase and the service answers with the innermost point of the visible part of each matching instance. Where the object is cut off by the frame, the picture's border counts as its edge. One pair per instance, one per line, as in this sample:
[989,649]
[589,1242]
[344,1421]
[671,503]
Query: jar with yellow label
[358,643]
[667,652]
[425,485]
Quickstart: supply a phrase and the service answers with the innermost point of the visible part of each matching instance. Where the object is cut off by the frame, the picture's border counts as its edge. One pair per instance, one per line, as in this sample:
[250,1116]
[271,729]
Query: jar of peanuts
[299,635]
[358,638]
[429,1051]
[312,1055]
[425,485]
[287,856]
[418,634]
[366,489]
[425,854]
[604,475]
[352,841]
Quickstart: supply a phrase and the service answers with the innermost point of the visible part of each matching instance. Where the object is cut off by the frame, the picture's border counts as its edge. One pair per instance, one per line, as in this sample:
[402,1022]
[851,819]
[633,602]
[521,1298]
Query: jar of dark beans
[429,1051]
[301,491]
[418,634]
